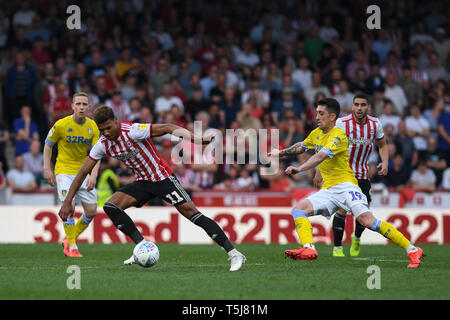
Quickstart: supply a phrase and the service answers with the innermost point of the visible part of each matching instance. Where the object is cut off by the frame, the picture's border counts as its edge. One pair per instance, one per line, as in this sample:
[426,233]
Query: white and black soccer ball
[146,254]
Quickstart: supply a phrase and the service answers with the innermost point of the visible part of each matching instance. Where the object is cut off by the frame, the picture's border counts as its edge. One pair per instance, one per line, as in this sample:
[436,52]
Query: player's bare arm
[318,179]
[92,181]
[384,155]
[66,208]
[170,128]
[312,162]
[48,172]
[293,150]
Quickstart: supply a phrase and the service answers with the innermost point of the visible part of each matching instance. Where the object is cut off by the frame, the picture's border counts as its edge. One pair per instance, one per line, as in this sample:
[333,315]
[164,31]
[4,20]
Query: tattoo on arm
[293,150]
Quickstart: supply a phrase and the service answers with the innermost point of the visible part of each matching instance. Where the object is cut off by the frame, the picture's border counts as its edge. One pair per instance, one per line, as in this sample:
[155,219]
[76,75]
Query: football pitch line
[380,259]
[211,265]
[41,268]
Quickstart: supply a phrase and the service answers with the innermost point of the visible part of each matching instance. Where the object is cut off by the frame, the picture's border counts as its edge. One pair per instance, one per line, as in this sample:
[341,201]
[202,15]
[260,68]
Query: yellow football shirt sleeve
[53,135]
[308,142]
[335,144]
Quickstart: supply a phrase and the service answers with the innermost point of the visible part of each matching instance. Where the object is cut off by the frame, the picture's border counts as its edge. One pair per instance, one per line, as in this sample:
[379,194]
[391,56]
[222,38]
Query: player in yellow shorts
[339,189]
[74,134]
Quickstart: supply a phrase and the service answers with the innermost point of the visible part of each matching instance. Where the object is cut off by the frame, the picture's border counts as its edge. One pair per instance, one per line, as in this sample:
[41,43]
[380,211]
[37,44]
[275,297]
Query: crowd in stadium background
[231,64]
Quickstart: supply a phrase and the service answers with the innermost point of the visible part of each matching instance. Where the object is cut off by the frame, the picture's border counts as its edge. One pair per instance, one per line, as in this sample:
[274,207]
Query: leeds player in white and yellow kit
[74,135]
[339,189]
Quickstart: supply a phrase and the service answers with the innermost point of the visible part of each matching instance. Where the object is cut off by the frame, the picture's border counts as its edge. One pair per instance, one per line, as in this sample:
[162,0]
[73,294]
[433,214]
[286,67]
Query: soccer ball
[146,254]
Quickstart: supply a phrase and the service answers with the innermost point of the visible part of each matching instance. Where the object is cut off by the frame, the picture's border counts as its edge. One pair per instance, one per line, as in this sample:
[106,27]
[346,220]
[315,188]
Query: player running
[132,144]
[362,130]
[340,187]
[74,134]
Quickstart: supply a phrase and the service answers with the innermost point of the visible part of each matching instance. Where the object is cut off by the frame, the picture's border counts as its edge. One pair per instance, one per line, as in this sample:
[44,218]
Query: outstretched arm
[165,128]
[291,151]
[66,208]
[312,162]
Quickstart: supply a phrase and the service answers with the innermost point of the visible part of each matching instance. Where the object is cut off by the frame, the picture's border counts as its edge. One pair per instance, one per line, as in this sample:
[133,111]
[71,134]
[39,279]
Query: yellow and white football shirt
[335,169]
[74,141]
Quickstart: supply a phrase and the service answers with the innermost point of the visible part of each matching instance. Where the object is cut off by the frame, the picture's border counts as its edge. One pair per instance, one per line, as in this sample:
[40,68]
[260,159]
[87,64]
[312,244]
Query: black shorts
[365,186]
[168,189]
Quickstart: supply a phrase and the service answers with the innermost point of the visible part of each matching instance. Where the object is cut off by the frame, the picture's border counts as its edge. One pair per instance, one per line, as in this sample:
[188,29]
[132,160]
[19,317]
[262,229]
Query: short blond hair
[80,94]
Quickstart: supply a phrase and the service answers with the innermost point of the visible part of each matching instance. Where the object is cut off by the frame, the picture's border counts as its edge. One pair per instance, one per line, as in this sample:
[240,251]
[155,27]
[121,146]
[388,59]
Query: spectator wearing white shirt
[328,32]
[166,100]
[417,128]
[420,35]
[303,74]
[164,38]
[316,87]
[245,182]
[389,117]
[33,160]
[119,105]
[395,93]
[344,98]
[24,16]
[20,180]
[261,98]
[423,178]
[247,56]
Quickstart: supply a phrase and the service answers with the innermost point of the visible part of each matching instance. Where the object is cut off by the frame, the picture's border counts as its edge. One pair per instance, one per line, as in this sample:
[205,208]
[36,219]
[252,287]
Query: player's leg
[338,232]
[365,187]
[115,209]
[90,210]
[88,200]
[300,214]
[355,247]
[171,189]
[62,187]
[69,242]
[368,220]
[214,231]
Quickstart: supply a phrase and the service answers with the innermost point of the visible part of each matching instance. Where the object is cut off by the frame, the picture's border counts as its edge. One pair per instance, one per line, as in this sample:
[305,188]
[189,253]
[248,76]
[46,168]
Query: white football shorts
[63,182]
[344,195]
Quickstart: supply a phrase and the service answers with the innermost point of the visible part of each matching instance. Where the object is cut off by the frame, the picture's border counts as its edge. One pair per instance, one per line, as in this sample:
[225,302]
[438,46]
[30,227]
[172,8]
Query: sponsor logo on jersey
[360,140]
[127,155]
[78,139]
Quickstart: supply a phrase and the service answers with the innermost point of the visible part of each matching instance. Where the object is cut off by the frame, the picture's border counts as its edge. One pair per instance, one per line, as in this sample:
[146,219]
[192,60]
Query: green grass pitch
[200,272]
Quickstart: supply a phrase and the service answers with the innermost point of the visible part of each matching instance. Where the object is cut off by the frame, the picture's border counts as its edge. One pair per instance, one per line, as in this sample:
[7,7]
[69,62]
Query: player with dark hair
[362,130]
[340,187]
[132,144]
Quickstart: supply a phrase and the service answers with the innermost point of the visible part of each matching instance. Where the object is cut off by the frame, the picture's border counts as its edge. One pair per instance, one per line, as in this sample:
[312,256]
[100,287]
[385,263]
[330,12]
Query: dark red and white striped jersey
[135,148]
[361,138]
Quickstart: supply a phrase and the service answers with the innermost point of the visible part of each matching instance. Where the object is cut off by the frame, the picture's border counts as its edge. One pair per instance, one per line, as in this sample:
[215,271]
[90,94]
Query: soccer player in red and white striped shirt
[362,131]
[132,144]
